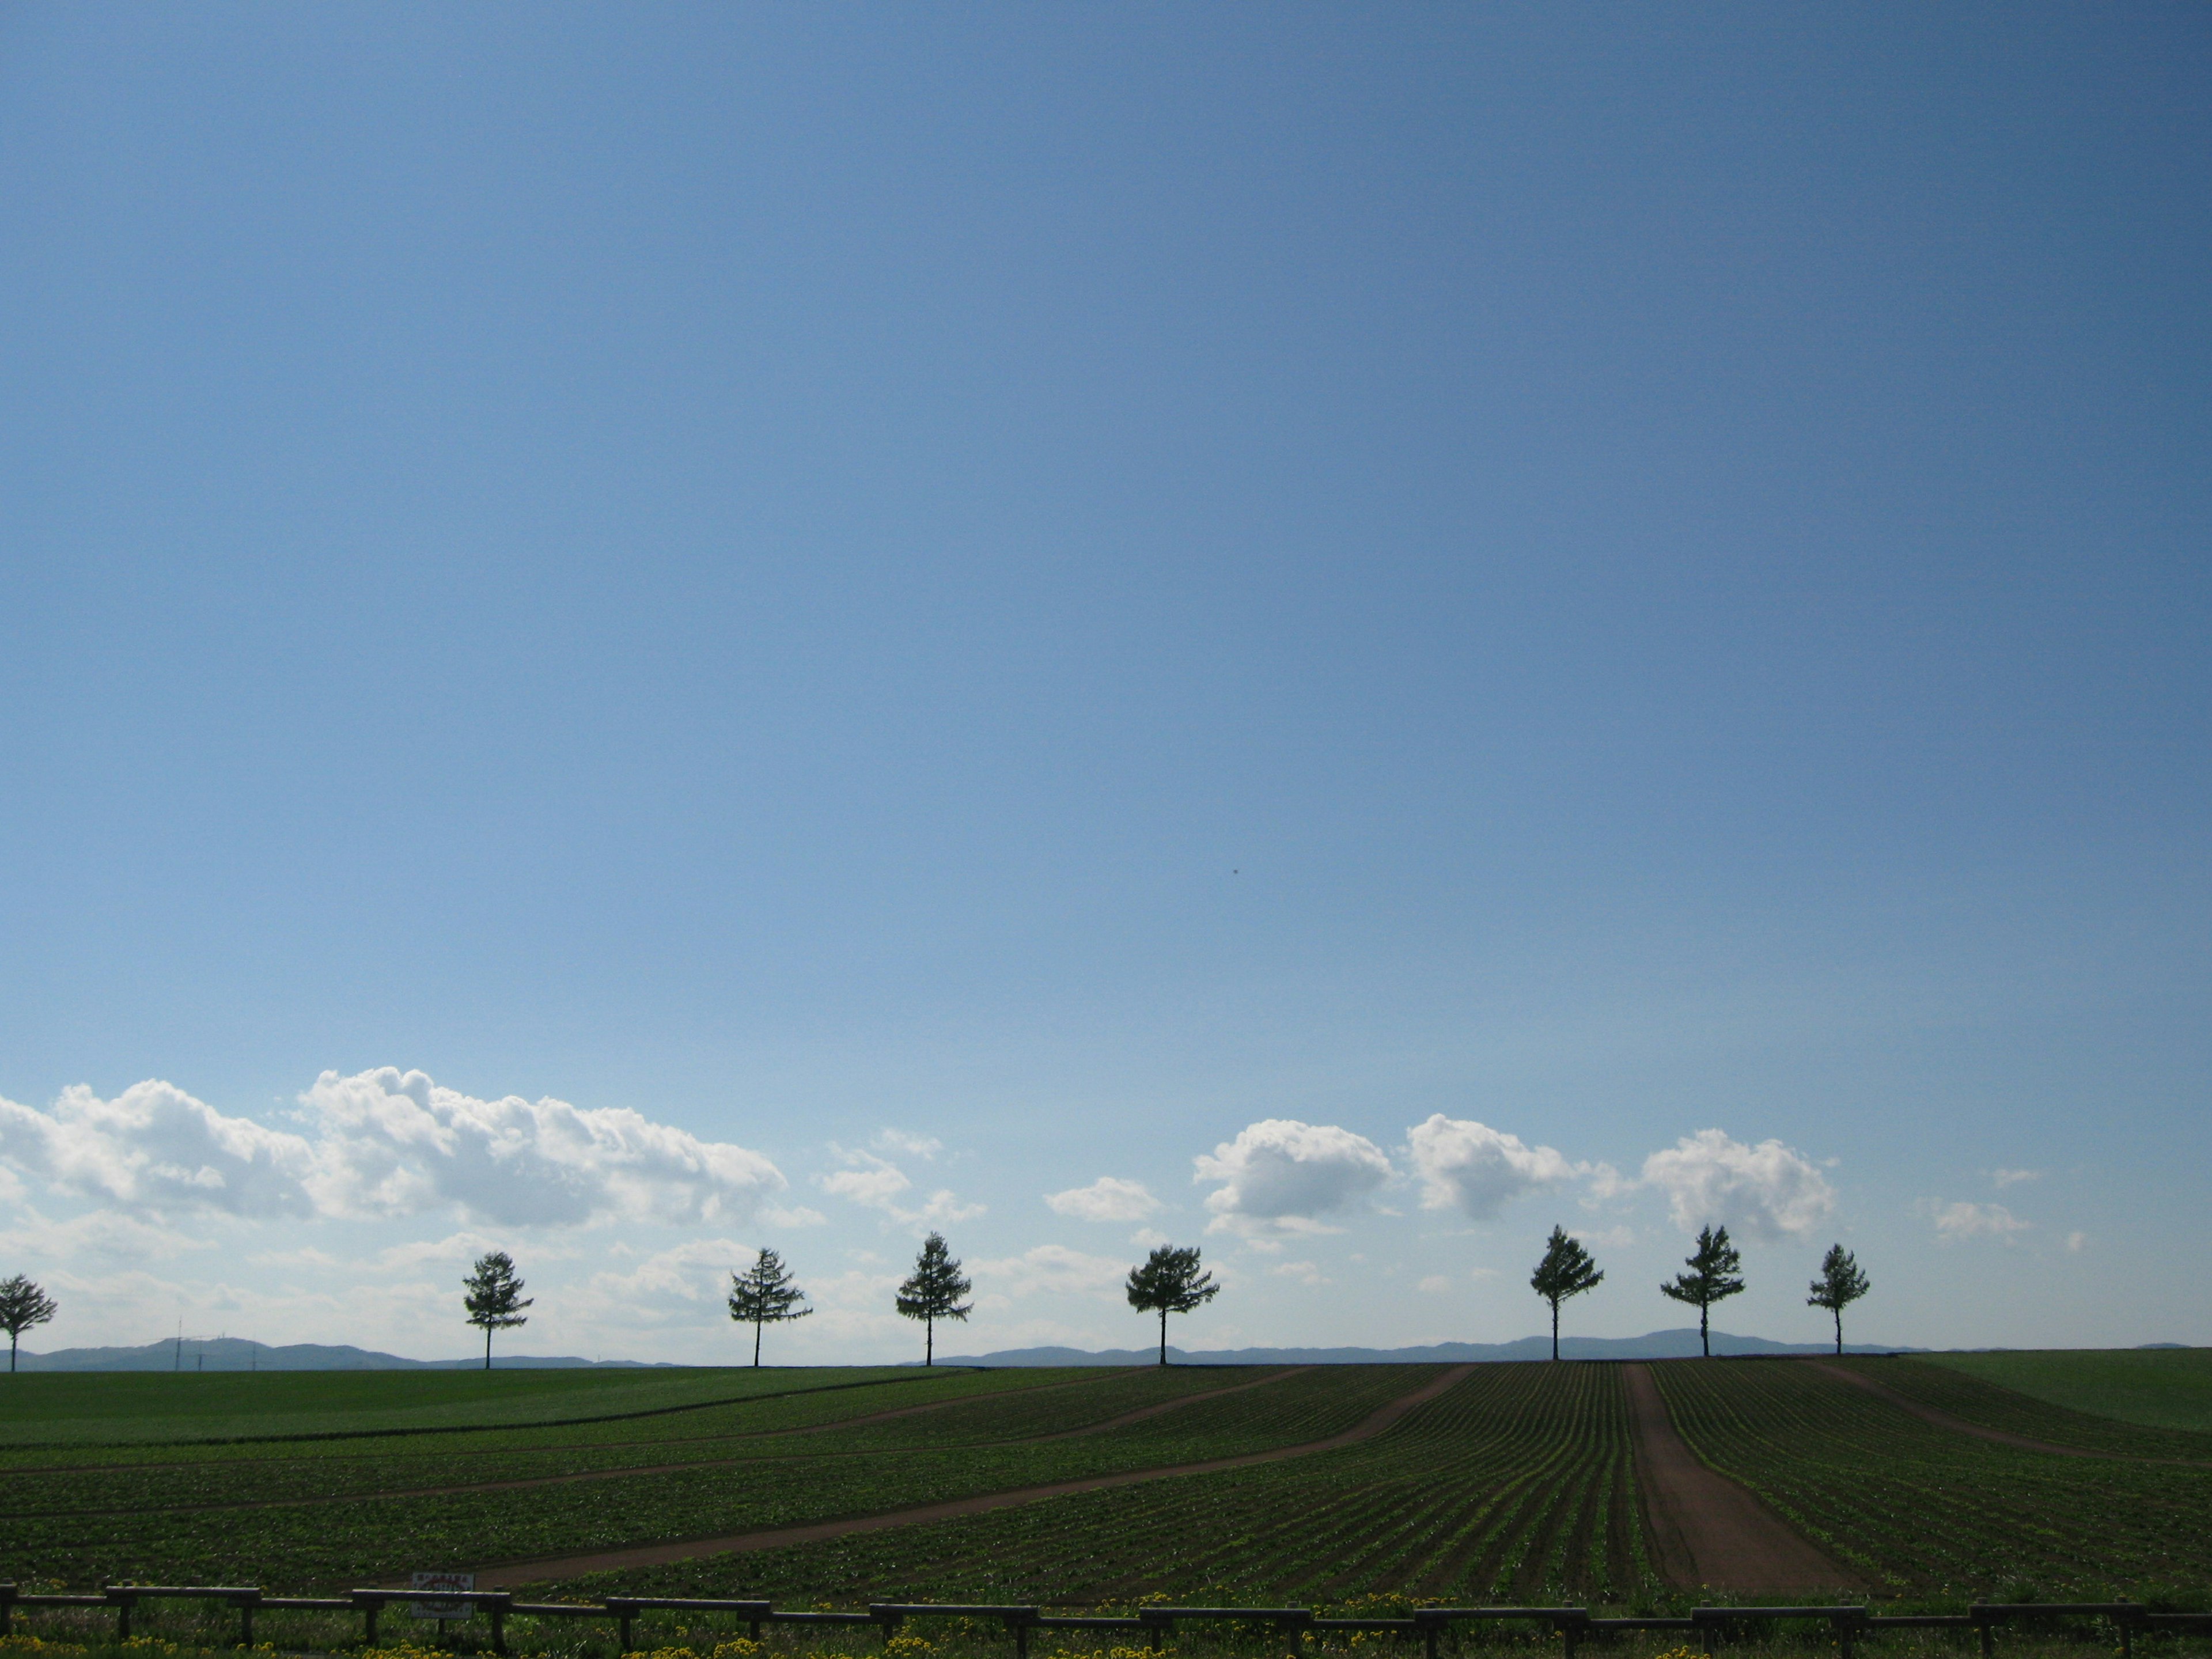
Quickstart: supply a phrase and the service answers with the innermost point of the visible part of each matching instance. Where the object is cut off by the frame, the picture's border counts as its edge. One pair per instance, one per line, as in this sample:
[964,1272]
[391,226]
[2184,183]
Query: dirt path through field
[513,1573]
[1710,1532]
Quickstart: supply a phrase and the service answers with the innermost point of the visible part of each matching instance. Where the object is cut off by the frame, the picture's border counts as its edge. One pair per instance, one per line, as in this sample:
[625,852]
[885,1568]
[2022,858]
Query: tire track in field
[1707,1530]
[509,1574]
[523,1483]
[1943,1419]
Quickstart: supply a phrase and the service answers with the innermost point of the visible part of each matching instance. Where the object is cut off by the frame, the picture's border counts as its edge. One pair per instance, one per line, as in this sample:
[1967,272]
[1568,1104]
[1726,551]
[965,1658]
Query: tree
[933,1292]
[764,1295]
[1711,1278]
[493,1296]
[1170,1282]
[22,1304]
[1840,1283]
[1567,1270]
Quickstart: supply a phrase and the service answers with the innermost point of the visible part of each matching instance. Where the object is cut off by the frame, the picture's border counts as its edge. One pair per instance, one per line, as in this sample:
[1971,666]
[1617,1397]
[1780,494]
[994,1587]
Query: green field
[1517,1483]
[2159,1387]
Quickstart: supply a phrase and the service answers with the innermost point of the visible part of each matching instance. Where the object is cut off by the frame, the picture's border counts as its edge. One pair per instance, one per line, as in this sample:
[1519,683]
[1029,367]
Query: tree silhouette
[1711,1278]
[1840,1283]
[764,1295]
[1170,1282]
[933,1292]
[22,1304]
[1567,1270]
[493,1296]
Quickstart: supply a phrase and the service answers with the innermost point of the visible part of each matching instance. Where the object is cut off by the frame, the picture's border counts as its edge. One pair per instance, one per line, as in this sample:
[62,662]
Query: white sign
[435,1605]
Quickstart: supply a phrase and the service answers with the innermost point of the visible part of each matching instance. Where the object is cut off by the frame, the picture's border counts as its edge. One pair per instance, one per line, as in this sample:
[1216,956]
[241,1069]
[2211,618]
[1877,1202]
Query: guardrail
[1574,1625]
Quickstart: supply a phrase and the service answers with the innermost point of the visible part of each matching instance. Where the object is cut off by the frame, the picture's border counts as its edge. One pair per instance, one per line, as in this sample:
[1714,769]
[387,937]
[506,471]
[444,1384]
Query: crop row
[1920,1507]
[1516,1484]
[1985,1403]
[323,1543]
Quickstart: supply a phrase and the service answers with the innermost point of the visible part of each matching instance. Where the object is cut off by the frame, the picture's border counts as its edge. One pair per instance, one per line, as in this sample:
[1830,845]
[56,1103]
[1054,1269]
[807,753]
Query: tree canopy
[1170,1281]
[1840,1283]
[1567,1270]
[22,1304]
[932,1291]
[764,1295]
[493,1295]
[1713,1266]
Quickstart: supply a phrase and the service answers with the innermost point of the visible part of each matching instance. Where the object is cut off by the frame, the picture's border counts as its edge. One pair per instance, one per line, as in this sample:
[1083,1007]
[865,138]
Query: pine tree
[493,1296]
[933,1292]
[764,1295]
[1567,1270]
[22,1304]
[1711,1278]
[1840,1283]
[1170,1282]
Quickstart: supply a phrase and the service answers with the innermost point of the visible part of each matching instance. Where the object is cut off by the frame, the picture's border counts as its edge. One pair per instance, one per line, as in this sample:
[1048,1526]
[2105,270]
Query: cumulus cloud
[1106,1199]
[379,1144]
[2014,1177]
[106,1235]
[1476,1169]
[155,1149]
[2077,1241]
[1435,1284]
[1762,1191]
[1053,1269]
[1304,1271]
[876,1183]
[1957,1222]
[1281,1175]
[394,1143]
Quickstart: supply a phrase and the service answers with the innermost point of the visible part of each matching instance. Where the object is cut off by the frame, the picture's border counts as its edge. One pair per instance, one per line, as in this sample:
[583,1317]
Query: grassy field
[2159,1387]
[1517,1483]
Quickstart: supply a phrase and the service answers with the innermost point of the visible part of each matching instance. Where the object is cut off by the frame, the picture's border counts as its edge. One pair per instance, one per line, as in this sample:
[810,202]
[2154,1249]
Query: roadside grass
[2159,1387]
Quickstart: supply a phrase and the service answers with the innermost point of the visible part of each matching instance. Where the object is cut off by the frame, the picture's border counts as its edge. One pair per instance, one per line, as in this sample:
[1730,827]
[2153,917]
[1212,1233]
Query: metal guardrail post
[1986,1623]
[246,1600]
[623,1609]
[7,1609]
[124,1600]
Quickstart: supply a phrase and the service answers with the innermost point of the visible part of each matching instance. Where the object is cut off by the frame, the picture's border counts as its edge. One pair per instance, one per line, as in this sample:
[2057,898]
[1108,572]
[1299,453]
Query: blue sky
[1382,626]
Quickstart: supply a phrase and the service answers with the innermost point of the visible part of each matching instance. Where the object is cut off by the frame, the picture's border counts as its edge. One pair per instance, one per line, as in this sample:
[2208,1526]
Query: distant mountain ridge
[1653,1344]
[237,1353]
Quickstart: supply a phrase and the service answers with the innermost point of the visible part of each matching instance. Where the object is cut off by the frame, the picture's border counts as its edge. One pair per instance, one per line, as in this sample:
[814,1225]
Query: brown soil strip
[524,1482]
[1943,1419]
[1708,1531]
[653,1555]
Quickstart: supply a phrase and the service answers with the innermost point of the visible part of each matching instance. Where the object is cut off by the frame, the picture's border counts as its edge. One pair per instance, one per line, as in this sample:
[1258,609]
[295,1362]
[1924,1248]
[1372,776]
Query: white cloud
[1106,1199]
[393,1143]
[107,1235]
[911,1145]
[796,1215]
[1055,1270]
[383,1143]
[1436,1284]
[1473,1168]
[1761,1192]
[1962,1220]
[1280,1176]
[1613,1239]
[1304,1271]
[155,1149]
[876,1183]
[2014,1177]
[2077,1241]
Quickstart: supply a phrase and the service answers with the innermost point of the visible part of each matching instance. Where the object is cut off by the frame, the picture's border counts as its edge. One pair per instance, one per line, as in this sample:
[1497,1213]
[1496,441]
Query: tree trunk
[12,1340]
[1840,1333]
[929,1342]
[1555,1329]
[487,1347]
[1163,1336]
[1704,1339]
[757,1325]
